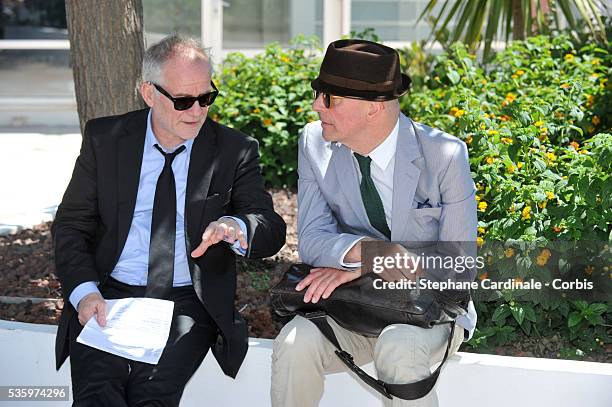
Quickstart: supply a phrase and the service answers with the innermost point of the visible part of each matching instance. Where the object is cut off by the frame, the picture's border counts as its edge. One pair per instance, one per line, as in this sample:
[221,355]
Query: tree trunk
[106,48]
[518,19]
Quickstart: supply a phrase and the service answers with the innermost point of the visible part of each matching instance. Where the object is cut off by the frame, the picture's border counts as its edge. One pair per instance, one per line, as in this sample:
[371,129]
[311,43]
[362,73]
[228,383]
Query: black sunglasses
[327,98]
[184,103]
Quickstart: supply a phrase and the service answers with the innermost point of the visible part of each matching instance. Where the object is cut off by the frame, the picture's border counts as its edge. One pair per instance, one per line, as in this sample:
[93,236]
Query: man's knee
[403,347]
[299,338]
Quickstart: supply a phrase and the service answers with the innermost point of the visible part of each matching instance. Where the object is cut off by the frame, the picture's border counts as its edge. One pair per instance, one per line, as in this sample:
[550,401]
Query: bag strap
[406,391]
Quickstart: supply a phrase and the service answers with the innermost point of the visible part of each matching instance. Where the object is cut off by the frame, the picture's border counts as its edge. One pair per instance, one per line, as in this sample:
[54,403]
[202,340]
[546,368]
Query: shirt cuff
[350,265]
[236,245]
[81,291]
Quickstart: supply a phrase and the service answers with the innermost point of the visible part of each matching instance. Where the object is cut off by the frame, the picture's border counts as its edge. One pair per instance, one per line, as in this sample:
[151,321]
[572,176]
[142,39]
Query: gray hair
[172,45]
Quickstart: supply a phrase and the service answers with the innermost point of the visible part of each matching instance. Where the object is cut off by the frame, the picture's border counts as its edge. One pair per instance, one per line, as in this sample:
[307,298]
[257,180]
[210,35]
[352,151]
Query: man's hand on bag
[90,305]
[322,281]
[224,229]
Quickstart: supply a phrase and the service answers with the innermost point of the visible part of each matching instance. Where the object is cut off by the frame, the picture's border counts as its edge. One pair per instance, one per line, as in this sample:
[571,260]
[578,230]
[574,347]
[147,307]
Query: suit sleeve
[253,205]
[76,222]
[320,241]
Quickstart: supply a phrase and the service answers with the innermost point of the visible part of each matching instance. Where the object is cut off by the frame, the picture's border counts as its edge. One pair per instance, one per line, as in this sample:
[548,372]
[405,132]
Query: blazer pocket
[218,200]
[426,222]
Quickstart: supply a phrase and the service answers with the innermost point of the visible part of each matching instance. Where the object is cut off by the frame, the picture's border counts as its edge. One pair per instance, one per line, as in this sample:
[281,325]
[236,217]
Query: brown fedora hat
[363,70]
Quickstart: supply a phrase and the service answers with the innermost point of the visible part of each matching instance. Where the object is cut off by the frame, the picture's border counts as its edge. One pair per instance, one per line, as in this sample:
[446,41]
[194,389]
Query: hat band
[356,84]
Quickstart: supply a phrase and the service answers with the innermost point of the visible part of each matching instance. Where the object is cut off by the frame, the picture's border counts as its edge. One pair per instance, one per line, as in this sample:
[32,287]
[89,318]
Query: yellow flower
[483,126]
[510,97]
[520,165]
[479,186]
[596,120]
[509,252]
[267,122]
[574,145]
[490,160]
[468,140]
[595,61]
[487,115]
[482,206]
[484,81]
[583,151]
[459,113]
[551,156]
[511,169]
[492,132]
[478,198]
[514,76]
[285,59]
[569,57]
[298,110]
[550,195]
[590,100]
[539,123]
[436,106]
[437,78]
[565,86]
[526,213]
[589,270]
[506,140]
[479,241]
[481,230]
[453,111]
[541,260]
[256,110]
[542,205]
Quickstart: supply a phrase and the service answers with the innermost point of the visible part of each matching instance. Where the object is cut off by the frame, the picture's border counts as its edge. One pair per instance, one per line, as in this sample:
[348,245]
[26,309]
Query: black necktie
[371,199]
[163,231]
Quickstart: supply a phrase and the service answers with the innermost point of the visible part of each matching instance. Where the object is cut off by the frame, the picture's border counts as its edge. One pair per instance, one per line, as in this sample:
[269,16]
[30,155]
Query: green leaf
[453,76]
[574,319]
[518,312]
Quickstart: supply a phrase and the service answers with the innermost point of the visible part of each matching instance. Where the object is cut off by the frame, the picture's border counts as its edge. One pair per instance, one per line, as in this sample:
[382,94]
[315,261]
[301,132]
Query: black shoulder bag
[362,306]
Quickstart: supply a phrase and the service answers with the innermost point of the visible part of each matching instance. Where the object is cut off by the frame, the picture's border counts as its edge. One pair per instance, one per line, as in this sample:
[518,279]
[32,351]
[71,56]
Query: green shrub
[268,97]
[538,130]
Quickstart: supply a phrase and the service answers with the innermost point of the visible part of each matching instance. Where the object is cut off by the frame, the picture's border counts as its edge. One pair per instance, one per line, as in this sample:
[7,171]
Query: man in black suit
[159,203]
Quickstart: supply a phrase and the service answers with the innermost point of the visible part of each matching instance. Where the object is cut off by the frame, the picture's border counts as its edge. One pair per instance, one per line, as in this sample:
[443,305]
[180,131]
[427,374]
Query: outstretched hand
[224,229]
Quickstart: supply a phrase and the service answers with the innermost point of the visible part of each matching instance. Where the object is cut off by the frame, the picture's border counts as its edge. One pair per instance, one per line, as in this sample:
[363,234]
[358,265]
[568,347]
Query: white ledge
[469,379]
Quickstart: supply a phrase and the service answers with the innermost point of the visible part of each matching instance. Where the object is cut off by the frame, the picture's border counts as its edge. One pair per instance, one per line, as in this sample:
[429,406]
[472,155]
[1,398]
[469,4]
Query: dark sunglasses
[327,98]
[184,103]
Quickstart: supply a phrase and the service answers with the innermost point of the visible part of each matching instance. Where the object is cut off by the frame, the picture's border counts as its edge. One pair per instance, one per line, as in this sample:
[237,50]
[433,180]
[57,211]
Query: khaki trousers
[402,354]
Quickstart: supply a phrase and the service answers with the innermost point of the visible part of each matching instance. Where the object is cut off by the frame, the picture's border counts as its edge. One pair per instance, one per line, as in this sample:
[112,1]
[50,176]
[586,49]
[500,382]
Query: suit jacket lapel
[341,163]
[201,167]
[405,178]
[130,148]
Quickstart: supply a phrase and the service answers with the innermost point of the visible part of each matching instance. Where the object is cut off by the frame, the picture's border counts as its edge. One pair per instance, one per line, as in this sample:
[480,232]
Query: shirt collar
[385,151]
[151,140]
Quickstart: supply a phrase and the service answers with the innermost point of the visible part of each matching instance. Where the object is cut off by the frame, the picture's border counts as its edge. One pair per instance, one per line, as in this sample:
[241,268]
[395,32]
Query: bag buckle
[315,314]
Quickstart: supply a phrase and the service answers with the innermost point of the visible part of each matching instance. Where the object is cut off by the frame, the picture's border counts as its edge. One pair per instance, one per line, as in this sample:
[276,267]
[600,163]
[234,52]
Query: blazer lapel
[202,164]
[341,163]
[405,178]
[130,148]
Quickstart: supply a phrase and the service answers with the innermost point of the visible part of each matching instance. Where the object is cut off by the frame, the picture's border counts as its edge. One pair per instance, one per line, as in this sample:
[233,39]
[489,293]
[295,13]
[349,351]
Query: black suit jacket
[94,218]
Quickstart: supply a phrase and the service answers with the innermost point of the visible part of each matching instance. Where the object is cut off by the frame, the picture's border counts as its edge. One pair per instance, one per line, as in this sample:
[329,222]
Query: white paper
[136,329]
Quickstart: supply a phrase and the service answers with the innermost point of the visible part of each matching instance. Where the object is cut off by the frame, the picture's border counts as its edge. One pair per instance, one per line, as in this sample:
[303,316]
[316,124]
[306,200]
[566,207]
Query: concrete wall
[27,355]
